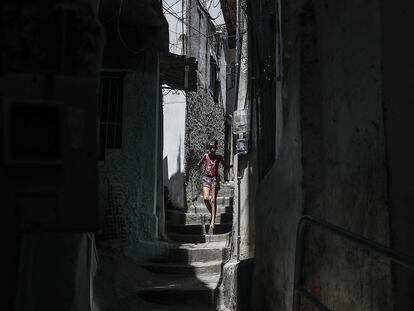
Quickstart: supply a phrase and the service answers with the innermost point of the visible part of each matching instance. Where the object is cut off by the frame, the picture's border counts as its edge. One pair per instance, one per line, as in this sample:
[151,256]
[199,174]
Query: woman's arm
[201,160]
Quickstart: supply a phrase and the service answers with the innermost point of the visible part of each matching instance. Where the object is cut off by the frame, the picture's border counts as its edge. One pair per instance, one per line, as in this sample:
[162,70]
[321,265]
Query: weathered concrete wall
[55,270]
[47,271]
[230,106]
[32,39]
[330,159]
[236,287]
[398,85]
[279,203]
[133,167]
[222,68]
[245,165]
[200,37]
[343,151]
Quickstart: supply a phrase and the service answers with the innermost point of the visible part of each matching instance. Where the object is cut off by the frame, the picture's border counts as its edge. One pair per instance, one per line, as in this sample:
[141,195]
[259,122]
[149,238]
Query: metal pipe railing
[380,249]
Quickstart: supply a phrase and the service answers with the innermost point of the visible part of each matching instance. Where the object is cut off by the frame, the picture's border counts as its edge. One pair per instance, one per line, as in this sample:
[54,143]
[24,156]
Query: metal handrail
[299,290]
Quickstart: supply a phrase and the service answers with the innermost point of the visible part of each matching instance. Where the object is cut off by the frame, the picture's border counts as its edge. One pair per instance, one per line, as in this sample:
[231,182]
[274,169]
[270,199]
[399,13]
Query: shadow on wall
[175,182]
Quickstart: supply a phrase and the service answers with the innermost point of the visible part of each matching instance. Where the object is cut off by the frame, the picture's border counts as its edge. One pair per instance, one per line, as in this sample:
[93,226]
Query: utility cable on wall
[175,15]
[175,3]
[188,25]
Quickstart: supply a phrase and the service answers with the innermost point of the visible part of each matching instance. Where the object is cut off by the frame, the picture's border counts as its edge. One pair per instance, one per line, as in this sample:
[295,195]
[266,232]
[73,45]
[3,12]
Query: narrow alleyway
[189,276]
[107,107]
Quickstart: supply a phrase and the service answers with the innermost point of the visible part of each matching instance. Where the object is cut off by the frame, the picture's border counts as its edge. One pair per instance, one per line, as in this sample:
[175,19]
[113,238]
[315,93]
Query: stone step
[221,200]
[194,269]
[226,191]
[198,238]
[189,253]
[198,228]
[178,307]
[180,218]
[176,289]
[200,208]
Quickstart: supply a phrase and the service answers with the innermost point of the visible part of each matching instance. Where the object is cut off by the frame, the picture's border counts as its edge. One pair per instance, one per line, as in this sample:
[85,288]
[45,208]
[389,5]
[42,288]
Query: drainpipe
[236,86]
[239,177]
[238,52]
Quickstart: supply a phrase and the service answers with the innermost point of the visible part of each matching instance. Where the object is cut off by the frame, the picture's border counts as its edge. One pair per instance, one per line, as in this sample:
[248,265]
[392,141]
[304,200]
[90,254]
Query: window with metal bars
[110,110]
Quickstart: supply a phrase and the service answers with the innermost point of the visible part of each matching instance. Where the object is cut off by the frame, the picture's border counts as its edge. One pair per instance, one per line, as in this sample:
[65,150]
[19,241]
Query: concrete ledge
[235,291]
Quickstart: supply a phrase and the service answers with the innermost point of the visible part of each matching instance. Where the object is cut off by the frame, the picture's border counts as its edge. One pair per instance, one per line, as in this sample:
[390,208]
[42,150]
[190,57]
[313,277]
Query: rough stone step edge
[195,225]
[226,200]
[185,283]
[194,255]
[186,217]
[196,264]
[186,213]
[174,296]
[223,237]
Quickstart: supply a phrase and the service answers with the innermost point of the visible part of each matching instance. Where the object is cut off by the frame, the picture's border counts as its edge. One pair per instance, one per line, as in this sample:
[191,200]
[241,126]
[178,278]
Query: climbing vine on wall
[204,122]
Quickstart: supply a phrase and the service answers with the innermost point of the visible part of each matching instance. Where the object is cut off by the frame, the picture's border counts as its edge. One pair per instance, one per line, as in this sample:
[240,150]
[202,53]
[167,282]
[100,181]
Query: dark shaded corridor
[107,106]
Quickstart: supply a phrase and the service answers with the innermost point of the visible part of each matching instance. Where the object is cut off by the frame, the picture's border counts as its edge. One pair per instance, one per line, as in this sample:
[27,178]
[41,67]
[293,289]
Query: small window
[214,82]
[110,110]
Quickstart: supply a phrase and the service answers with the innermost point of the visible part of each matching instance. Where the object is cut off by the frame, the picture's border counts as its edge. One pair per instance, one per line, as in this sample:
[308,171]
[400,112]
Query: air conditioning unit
[48,163]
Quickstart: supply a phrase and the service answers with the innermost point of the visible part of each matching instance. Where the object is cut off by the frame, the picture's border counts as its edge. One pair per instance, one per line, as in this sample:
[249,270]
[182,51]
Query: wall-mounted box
[48,161]
[240,121]
[242,146]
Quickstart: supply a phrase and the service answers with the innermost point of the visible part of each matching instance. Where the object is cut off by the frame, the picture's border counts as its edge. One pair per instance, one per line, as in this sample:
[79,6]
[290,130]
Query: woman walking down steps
[211,180]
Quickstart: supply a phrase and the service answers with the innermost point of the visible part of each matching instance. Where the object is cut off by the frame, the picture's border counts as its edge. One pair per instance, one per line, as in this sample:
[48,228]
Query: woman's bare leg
[214,192]
[206,195]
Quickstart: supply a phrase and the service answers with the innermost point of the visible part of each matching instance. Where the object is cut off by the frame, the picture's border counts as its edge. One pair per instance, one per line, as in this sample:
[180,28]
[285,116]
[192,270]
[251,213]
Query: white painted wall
[174,103]
[173,153]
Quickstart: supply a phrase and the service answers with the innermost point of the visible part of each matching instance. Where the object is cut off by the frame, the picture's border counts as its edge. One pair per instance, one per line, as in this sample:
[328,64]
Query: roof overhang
[178,71]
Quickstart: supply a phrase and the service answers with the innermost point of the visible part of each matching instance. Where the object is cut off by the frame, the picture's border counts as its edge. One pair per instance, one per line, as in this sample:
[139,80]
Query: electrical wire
[188,25]
[173,4]
[214,18]
[175,15]
[209,6]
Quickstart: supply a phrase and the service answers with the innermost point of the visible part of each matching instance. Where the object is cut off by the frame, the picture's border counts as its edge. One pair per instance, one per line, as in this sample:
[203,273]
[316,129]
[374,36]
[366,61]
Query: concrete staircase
[188,276]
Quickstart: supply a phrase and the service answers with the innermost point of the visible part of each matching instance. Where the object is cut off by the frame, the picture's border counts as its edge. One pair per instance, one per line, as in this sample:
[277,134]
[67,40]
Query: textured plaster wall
[33,40]
[133,166]
[279,205]
[198,40]
[245,165]
[343,151]
[330,160]
[398,85]
[47,271]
